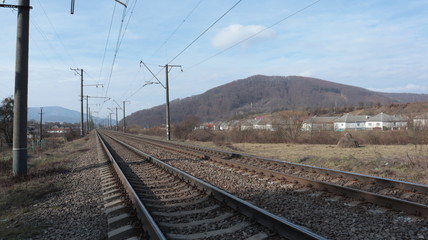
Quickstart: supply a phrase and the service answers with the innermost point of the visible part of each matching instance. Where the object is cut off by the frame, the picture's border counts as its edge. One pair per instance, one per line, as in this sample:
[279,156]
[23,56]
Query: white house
[316,123]
[263,124]
[385,121]
[350,122]
[420,121]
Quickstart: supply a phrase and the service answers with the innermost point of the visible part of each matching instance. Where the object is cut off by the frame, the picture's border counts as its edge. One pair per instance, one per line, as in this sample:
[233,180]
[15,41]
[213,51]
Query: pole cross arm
[98,97]
[95,85]
[15,6]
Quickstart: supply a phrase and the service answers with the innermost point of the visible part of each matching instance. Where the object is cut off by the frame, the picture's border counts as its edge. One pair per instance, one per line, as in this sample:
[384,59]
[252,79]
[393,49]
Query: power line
[48,42]
[56,33]
[145,84]
[176,29]
[255,34]
[200,35]
[107,41]
[117,48]
[119,41]
[206,30]
[129,19]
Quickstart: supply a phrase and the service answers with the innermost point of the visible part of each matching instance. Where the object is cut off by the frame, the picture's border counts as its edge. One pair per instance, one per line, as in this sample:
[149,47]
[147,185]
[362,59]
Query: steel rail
[279,225]
[382,200]
[149,225]
[386,182]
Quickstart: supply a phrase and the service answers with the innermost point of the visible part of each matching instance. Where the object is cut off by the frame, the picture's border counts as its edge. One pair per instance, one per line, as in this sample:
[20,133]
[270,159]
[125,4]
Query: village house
[350,122]
[316,123]
[263,123]
[420,121]
[59,130]
[386,122]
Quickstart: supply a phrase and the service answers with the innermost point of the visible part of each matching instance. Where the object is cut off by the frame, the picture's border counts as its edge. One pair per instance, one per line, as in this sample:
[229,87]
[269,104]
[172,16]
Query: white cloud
[234,33]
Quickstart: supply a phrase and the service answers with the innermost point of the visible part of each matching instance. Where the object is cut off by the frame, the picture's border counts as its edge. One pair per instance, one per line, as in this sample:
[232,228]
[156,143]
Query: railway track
[172,204]
[402,196]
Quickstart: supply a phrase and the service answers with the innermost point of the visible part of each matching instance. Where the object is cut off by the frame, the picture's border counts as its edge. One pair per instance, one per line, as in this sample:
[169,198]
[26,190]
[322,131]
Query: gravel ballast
[76,210]
[328,215]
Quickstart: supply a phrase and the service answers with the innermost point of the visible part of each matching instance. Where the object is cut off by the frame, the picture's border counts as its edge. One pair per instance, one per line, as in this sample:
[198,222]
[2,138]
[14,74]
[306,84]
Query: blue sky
[379,45]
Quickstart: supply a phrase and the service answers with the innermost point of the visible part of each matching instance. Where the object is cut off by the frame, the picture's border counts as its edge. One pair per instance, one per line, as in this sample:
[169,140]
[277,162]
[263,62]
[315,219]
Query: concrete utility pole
[81,99]
[124,123]
[89,120]
[87,104]
[41,127]
[21,90]
[112,112]
[87,115]
[109,117]
[117,123]
[168,117]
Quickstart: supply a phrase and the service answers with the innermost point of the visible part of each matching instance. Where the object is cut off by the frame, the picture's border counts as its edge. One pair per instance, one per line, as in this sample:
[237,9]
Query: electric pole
[87,115]
[89,120]
[81,98]
[109,117]
[117,123]
[115,109]
[41,127]
[168,117]
[124,123]
[19,165]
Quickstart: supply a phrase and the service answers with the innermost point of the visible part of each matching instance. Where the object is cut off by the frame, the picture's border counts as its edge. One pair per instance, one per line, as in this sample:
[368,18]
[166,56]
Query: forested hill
[264,94]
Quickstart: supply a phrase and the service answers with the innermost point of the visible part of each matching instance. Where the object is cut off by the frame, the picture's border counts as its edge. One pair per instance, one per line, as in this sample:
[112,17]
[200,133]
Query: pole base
[19,162]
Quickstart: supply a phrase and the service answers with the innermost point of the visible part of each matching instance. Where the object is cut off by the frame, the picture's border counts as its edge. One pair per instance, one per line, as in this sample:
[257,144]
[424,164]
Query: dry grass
[402,162]
[18,195]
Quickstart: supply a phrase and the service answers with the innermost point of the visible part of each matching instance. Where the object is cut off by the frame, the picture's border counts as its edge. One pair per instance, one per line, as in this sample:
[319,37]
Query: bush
[201,135]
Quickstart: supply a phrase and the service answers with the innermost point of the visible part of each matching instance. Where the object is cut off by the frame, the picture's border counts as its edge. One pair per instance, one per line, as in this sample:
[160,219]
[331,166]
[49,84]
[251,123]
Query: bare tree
[183,129]
[289,125]
[6,120]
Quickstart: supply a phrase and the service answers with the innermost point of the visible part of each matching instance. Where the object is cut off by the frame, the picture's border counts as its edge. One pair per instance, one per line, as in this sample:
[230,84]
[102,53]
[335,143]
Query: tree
[184,128]
[289,125]
[6,120]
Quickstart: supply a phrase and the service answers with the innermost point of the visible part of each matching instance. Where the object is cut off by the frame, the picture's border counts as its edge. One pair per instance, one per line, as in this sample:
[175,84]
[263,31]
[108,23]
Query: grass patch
[19,195]
[26,193]
[10,229]
[402,162]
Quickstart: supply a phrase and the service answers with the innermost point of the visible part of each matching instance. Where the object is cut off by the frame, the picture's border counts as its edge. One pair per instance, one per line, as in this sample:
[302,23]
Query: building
[59,130]
[350,122]
[386,122]
[420,121]
[316,123]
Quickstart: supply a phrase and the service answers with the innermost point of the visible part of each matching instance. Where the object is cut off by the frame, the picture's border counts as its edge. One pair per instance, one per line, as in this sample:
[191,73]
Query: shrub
[201,135]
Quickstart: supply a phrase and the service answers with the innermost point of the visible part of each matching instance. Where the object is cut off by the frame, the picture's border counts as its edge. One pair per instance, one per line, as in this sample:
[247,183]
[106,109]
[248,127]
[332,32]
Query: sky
[381,45]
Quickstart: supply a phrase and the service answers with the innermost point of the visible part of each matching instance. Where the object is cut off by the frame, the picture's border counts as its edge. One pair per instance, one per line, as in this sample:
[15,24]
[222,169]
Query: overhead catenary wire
[200,35]
[127,23]
[255,34]
[206,30]
[176,29]
[56,34]
[116,49]
[118,43]
[48,42]
[106,45]
[153,76]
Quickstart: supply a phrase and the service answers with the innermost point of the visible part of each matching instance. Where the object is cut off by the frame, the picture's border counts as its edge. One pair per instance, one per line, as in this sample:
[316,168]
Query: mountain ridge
[57,114]
[264,94]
